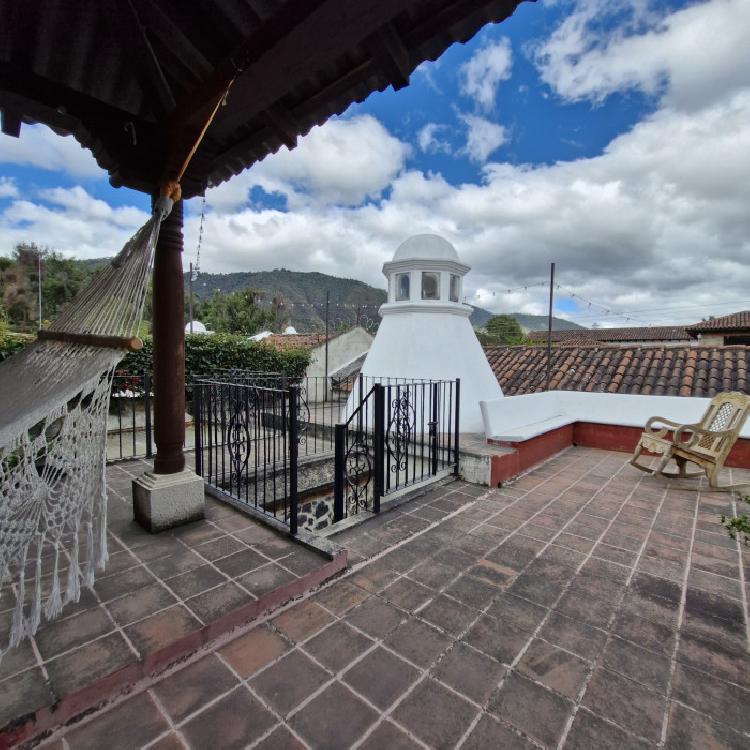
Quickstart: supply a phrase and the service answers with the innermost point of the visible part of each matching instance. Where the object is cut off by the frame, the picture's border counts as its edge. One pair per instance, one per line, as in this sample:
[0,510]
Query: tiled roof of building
[738,321]
[645,333]
[286,341]
[352,369]
[646,370]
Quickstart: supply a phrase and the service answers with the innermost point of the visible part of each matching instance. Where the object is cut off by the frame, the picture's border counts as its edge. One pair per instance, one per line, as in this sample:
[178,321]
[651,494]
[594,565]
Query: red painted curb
[620,438]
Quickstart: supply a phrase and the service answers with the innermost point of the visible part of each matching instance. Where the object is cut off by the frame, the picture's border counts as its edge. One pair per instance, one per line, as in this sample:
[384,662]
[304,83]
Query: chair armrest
[697,433]
[661,431]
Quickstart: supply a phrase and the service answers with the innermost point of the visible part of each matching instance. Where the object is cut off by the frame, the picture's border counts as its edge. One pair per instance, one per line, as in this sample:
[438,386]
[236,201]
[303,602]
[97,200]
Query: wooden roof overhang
[134,80]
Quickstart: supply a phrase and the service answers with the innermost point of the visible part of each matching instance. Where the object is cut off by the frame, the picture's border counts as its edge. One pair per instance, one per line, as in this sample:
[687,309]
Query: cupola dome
[425,247]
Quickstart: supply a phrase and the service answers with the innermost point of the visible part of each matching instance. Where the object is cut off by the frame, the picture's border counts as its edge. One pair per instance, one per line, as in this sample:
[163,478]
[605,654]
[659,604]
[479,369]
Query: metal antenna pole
[549,322]
[39,284]
[328,299]
[190,298]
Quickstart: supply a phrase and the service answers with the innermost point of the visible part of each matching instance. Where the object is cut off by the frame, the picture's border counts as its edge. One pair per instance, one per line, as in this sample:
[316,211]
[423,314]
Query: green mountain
[527,322]
[300,299]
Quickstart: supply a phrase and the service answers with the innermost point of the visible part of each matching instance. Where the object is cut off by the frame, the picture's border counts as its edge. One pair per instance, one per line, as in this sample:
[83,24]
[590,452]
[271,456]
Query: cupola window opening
[430,285]
[402,287]
[455,290]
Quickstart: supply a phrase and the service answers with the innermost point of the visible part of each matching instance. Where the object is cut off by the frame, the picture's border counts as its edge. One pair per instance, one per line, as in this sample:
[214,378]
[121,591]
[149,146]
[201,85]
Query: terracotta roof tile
[583,336]
[286,341]
[738,321]
[663,371]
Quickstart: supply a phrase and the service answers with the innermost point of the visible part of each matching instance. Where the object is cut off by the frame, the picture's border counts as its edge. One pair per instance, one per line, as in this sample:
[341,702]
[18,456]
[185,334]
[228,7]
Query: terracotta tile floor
[586,605]
[156,590]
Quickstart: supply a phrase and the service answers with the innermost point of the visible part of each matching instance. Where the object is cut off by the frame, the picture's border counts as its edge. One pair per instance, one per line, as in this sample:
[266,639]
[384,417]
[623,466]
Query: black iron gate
[246,445]
[401,434]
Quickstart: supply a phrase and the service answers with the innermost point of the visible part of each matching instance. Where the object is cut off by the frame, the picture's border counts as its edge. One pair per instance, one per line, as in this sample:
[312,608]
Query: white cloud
[659,219]
[482,137]
[481,75]
[70,221]
[8,188]
[342,162]
[427,71]
[40,147]
[428,141]
[697,54]
[654,221]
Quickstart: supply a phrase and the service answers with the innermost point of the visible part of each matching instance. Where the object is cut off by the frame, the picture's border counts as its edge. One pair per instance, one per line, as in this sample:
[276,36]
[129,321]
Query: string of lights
[525,288]
[318,305]
[607,310]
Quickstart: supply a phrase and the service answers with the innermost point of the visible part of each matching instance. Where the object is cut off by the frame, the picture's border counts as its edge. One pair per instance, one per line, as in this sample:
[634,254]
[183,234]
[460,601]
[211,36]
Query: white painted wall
[342,350]
[516,418]
[436,345]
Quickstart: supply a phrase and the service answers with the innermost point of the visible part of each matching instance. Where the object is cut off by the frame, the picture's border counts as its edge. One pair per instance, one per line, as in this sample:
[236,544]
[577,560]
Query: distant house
[726,330]
[344,349]
[646,370]
[630,336]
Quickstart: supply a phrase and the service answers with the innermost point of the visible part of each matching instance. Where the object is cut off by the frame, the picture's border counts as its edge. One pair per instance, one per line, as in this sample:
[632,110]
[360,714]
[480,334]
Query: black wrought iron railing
[401,433]
[321,402]
[129,422]
[130,419]
[246,445]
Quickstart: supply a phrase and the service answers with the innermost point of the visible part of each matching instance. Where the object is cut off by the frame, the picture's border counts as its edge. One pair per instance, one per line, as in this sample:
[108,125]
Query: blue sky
[541,128]
[609,136]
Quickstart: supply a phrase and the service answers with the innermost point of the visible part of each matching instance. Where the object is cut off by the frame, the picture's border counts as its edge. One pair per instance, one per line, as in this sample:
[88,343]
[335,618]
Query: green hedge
[206,354]
[203,355]
[11,344]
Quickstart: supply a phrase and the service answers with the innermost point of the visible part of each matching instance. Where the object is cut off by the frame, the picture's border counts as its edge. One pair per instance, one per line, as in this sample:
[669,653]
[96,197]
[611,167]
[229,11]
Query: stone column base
[163,501]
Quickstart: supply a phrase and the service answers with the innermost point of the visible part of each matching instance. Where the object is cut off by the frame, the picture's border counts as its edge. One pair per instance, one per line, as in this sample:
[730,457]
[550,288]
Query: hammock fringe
[53,431]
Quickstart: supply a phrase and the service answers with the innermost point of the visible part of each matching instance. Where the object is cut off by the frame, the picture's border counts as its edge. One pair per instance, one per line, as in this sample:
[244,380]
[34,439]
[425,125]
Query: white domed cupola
[425,332]
[425,272]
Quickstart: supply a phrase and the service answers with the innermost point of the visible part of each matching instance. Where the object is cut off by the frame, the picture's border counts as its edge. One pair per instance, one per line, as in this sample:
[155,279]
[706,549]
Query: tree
[504,329]
[61,280]
[233,313]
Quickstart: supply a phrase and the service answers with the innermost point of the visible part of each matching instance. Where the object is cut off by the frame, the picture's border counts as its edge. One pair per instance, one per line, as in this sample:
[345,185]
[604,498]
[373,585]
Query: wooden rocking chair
[706,443]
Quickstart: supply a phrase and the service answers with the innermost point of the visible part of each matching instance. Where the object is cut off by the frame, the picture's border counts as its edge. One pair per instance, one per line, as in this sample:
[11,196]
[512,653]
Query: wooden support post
[169,346]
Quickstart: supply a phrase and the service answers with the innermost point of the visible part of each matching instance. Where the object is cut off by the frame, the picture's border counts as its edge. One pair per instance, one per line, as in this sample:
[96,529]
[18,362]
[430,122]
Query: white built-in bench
[519,418]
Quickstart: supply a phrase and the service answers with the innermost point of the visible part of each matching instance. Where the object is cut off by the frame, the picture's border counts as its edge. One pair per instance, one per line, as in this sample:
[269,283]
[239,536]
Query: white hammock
[54,399]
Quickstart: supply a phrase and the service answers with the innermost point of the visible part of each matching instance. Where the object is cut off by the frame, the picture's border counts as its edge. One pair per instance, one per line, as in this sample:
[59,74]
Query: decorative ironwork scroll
[238,437]
[357,472]
[303,413]
[400,431]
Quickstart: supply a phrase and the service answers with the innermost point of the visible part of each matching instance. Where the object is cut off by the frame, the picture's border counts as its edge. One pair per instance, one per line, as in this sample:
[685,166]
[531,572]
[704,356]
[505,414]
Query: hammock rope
[53,439]
[53,428]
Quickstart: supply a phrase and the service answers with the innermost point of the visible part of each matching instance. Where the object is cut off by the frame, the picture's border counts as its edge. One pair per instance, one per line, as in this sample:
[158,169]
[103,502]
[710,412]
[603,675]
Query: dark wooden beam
[10,123]
[100,127]
[253,46]
[69,103]
[332,92]
[173,38]
[136,42]
[240,14]
[391,54]
[464,13]
[334,27]
[283,122]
